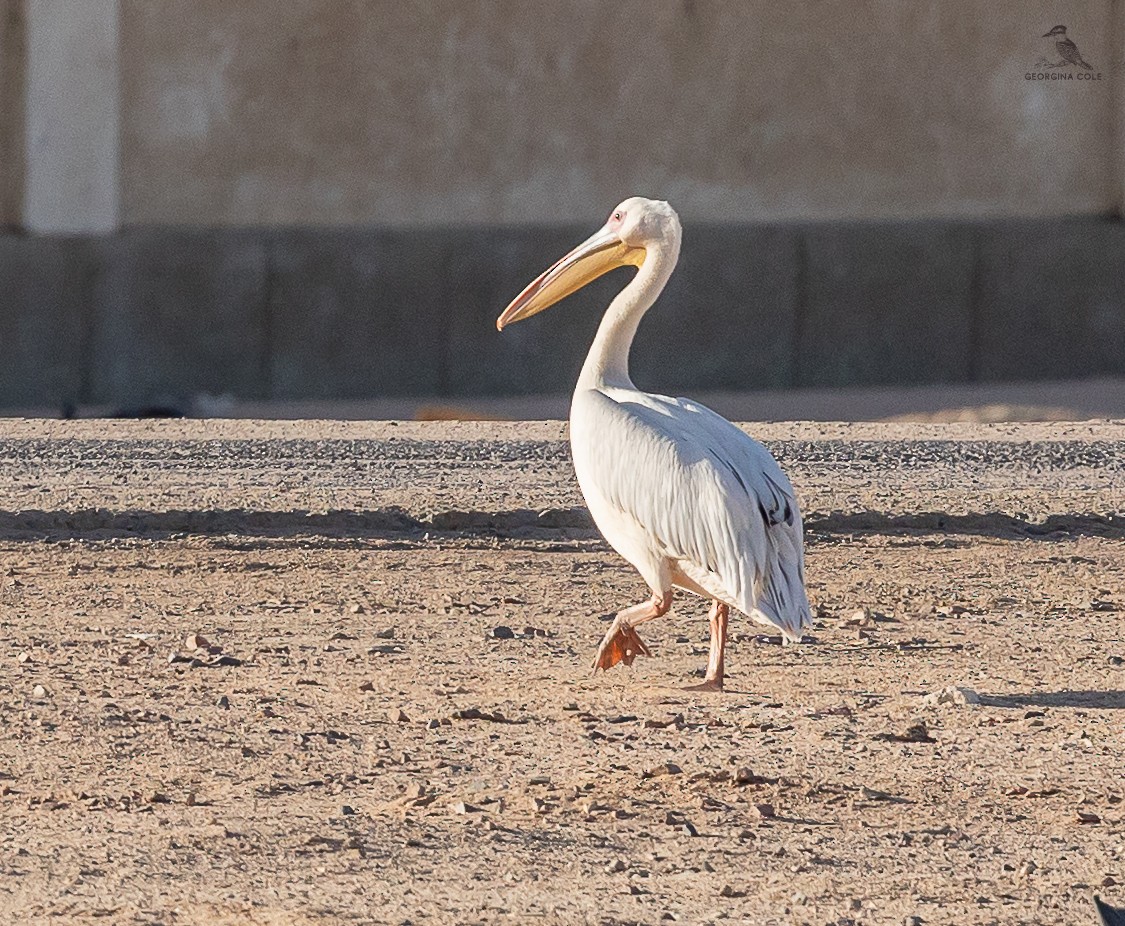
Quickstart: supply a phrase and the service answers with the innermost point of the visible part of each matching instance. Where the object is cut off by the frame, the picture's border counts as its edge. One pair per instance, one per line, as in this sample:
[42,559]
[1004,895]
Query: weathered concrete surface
[71,183]
[729,315]
[887,305]
[364,313]
[46,295]
[413,114]
[356,313]
[179,312]
[1051,299]
[12,94]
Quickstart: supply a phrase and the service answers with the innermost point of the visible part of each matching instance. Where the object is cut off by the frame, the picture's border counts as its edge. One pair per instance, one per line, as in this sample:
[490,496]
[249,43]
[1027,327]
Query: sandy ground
[326,672]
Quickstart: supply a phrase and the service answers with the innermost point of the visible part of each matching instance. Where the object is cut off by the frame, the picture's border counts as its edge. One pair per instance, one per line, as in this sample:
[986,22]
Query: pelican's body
[686,497]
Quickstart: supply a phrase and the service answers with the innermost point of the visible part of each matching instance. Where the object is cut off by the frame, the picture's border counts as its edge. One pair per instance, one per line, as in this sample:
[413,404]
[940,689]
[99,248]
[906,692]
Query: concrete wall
[71,116]
[12,62]
[155,314]
[416,112]
[334,198]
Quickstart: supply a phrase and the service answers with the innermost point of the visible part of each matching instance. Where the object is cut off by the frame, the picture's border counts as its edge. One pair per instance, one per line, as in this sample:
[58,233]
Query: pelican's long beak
[601,252]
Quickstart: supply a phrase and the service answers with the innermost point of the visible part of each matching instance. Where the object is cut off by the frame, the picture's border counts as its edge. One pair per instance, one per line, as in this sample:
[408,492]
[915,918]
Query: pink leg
[621,643]
[713,681]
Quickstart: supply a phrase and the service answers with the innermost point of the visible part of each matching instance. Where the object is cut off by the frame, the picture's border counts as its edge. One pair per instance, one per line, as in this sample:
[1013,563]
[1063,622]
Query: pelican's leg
[621,643]
[713,680]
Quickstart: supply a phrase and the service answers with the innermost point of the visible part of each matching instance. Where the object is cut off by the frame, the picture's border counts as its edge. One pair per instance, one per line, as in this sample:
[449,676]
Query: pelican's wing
[707,494]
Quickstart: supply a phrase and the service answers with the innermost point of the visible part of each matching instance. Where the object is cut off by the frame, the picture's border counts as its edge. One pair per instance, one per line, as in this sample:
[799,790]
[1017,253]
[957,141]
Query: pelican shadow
[1103,700]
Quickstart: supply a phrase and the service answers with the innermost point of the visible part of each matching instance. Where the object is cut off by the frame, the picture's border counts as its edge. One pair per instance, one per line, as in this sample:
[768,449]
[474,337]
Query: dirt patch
[329,726]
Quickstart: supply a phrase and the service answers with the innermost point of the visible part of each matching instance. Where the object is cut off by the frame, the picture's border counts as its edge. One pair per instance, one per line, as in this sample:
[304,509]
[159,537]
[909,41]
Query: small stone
[397,715]
[765,811]
[367,686]
[433,724]
[462,807]
[917,732]
[23,659]
[502,633]
[745,775]
[913,921]
[388,634]
[196,641]
[224,703]
[39,692]
[1084,816]
[666,768]
[348,810]
[689,828]
[356,608]
[728,891]
[616,865]
[956,695]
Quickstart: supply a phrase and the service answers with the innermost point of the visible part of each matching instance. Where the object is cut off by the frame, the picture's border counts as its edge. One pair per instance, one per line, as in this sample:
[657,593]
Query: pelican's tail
[782,600]
[1083,64]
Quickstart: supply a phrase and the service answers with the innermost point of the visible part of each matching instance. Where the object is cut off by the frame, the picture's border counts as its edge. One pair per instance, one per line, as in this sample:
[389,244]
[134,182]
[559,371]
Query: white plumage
[680,492]
[687,497]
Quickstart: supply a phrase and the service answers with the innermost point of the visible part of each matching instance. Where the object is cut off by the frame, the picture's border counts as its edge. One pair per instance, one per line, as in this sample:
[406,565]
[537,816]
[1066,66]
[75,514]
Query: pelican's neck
[607,364]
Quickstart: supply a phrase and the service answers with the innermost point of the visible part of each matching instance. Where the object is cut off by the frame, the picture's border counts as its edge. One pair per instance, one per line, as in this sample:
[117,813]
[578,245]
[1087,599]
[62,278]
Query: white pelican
[680,492]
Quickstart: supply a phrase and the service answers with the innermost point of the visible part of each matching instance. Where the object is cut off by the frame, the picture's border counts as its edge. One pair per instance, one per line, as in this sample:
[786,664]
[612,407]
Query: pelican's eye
[617,216]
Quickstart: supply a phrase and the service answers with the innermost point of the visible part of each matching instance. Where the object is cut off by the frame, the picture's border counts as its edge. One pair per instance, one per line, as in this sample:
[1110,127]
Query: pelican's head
[632,228]
[1058,30]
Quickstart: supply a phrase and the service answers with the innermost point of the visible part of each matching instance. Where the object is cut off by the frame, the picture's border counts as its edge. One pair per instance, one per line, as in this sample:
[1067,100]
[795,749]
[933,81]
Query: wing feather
[707,494]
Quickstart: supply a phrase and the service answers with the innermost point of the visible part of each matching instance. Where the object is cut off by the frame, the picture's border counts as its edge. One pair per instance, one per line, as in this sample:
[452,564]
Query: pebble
[953,694]
[224,703]
[616,865]
[502,633]
[1084,816]
[667,768]
[397,715]
[23,659]
[347,810]
[39,692]
[196,641]
[765,811]
[744,775]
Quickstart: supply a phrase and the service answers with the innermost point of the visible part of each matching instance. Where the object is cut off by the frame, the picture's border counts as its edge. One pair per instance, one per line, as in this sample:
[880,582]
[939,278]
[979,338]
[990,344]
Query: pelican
[686,497]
